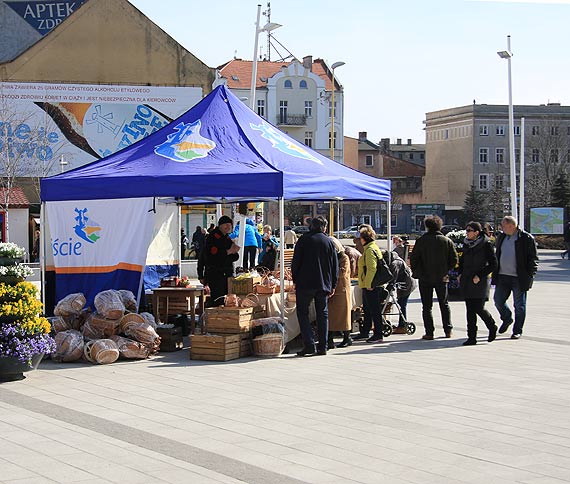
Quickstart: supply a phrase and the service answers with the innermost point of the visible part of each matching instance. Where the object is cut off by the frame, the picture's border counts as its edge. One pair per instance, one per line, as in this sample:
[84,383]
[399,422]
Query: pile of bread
[113,331]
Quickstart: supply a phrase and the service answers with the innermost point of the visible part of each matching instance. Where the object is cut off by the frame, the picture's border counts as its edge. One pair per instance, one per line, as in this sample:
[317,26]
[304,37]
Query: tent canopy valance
[217,150]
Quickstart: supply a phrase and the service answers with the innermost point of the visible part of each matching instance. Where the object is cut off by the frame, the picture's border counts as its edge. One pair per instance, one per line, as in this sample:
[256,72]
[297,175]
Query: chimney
[308,62]
[362,136]
[399,141]
[409,141]
[385,144]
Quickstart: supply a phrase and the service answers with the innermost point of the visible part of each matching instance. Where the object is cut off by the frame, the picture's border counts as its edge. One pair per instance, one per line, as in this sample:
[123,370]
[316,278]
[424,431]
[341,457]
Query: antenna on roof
[267,14]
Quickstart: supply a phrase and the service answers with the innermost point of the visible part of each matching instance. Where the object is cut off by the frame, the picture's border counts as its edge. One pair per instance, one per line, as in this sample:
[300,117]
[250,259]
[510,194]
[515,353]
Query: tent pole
[43,253]
[282,254]
[389,224]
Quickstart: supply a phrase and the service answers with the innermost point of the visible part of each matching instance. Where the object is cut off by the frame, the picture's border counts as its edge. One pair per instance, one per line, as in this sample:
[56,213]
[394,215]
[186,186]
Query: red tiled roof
[17,198]
[241,69]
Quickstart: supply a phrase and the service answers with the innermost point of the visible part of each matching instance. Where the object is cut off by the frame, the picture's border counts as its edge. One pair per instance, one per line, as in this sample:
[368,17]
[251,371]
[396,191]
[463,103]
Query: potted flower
[24,334]
[11,253]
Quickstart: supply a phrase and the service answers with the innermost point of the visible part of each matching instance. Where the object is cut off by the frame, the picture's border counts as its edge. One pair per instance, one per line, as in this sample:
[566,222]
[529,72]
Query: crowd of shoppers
[322,269]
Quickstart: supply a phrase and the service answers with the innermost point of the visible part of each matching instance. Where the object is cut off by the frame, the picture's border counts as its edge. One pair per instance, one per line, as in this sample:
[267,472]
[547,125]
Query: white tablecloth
[292,330]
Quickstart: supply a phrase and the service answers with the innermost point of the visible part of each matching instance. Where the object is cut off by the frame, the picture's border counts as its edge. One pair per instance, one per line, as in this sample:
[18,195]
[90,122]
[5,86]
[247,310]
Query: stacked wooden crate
[229,335]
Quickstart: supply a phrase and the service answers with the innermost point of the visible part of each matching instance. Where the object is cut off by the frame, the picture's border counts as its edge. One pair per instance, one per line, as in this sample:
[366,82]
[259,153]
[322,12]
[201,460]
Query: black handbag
[383,274]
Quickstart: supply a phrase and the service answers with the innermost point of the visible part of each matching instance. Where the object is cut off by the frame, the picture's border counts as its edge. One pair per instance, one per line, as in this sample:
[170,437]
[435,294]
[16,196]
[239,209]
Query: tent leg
[389,224]
[43,253]
[282,254]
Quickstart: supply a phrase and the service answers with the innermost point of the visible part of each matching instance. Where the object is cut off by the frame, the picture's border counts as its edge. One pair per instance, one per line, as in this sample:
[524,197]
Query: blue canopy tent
[219,151]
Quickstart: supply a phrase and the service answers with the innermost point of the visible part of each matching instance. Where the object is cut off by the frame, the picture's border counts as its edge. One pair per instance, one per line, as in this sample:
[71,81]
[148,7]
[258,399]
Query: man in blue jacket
[251,244]
[315,274]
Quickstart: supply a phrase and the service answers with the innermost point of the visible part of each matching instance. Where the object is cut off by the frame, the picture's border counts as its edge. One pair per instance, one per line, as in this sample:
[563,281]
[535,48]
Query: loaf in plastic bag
[130,349]
[109,304]
[101,351]
[69,346]
[70,305]
[129,300]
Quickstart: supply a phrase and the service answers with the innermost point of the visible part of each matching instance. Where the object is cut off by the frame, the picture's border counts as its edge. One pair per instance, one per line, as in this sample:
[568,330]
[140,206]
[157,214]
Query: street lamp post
[266,28]
[333,67]
[507,54]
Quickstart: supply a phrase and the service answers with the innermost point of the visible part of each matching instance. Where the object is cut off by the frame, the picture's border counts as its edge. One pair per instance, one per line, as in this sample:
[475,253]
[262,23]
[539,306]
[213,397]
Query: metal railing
[291,120]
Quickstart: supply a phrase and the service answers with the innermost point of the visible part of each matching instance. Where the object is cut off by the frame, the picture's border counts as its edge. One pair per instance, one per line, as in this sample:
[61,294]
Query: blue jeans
[304,299]
[506,285]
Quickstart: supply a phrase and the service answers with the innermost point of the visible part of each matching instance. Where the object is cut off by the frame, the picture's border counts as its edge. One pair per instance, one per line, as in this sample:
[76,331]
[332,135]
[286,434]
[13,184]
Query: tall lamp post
[331,212]
[266,28]
[507,54]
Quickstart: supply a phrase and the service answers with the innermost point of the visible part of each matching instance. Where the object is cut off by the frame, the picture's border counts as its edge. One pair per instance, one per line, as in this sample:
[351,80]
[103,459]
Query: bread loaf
[109,304]
[69,346]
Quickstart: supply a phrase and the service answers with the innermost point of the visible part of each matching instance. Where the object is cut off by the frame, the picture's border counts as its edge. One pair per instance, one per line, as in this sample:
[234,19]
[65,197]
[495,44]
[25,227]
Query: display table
[292,330]
[178,300]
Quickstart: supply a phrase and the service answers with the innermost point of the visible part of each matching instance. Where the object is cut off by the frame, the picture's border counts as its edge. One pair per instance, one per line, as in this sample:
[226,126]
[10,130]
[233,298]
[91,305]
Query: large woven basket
[268,345]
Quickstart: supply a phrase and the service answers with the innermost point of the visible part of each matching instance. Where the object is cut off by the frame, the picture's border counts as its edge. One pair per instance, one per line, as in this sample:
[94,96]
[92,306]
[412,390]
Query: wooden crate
[215,347]
[246,345]
[229,320]
[242,287]
[260,312]
[176,305]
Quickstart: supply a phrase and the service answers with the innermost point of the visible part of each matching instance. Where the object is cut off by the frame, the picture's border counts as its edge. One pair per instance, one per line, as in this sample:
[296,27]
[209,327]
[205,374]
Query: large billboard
[546,220]
[46,128]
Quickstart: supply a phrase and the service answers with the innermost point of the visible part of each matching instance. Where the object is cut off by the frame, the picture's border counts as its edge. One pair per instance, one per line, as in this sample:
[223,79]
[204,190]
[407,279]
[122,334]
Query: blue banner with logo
[44,16]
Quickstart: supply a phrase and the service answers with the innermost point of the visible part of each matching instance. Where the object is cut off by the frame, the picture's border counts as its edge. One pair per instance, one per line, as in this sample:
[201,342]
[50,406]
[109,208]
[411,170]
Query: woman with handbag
[477,261]
[372,292]
[340,305]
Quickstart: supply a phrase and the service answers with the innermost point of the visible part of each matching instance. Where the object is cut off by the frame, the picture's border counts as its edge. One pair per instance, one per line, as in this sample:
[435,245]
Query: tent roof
[219,149]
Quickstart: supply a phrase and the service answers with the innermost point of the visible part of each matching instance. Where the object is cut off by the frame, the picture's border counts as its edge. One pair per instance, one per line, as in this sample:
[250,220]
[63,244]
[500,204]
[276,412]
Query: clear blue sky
[403,57]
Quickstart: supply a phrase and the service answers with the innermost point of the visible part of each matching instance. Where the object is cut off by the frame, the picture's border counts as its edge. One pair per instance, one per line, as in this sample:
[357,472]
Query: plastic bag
[70,305]
[143,333]
[271,325]
[69,346]
[98,327]
[130,349]
[149,318]
[110,304]
[129,300]
[58,324]
[101,351]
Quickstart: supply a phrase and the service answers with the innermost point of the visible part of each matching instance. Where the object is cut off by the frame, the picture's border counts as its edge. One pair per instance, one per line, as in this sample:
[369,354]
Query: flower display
[23,332]
[11,250]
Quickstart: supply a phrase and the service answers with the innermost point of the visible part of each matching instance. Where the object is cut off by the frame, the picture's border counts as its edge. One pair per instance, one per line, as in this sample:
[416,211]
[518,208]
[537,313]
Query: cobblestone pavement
[406,411]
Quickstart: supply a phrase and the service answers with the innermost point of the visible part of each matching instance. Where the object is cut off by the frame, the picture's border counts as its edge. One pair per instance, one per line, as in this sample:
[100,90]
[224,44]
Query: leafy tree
[476,205]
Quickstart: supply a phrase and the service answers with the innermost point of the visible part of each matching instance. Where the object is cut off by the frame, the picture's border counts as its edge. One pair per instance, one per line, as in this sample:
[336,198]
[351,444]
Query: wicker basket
[101,351]
[266,289]
[130,318]
[268,345]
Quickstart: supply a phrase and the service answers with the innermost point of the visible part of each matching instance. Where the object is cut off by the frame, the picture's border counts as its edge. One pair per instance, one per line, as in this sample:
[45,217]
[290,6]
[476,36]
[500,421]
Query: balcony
[291,120]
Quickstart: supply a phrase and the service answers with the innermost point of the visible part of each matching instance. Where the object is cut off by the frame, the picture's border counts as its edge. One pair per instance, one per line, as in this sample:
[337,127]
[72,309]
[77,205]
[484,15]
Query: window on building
[288,84]
[369,161]
[303,84]
[334,140]
[483,155]
[330,110]
[553,156]
[499,182]
[500,155]
[517,130]
[500,130]
[398,184]
[411,156]
[394,221]
[483,130]
[535,155]
[517,155]
[422,156]
[309,138]
[261,107]
[554,130]
[568,130]
[309,109]
[283,111]
[535,130]
[483,181]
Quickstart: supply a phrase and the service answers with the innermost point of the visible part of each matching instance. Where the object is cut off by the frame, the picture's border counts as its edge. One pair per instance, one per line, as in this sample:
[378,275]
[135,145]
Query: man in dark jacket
[434,255]
[219,255]
[518,263]
[315,273]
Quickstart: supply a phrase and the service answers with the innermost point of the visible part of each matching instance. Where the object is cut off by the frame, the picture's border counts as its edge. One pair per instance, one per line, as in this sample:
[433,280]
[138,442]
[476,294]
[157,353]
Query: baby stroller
[390,307]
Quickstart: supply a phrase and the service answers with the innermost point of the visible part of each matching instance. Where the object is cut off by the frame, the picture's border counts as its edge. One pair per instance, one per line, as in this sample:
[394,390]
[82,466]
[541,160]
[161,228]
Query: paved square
[407,411]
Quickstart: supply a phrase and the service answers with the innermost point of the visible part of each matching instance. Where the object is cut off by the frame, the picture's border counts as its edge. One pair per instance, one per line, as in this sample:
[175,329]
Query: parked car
[276,231]
[301,229]
[347,233]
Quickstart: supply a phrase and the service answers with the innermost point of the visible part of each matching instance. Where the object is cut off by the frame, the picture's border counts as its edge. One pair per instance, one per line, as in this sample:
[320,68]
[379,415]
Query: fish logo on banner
[86,228]
[186,143]
[281,143]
